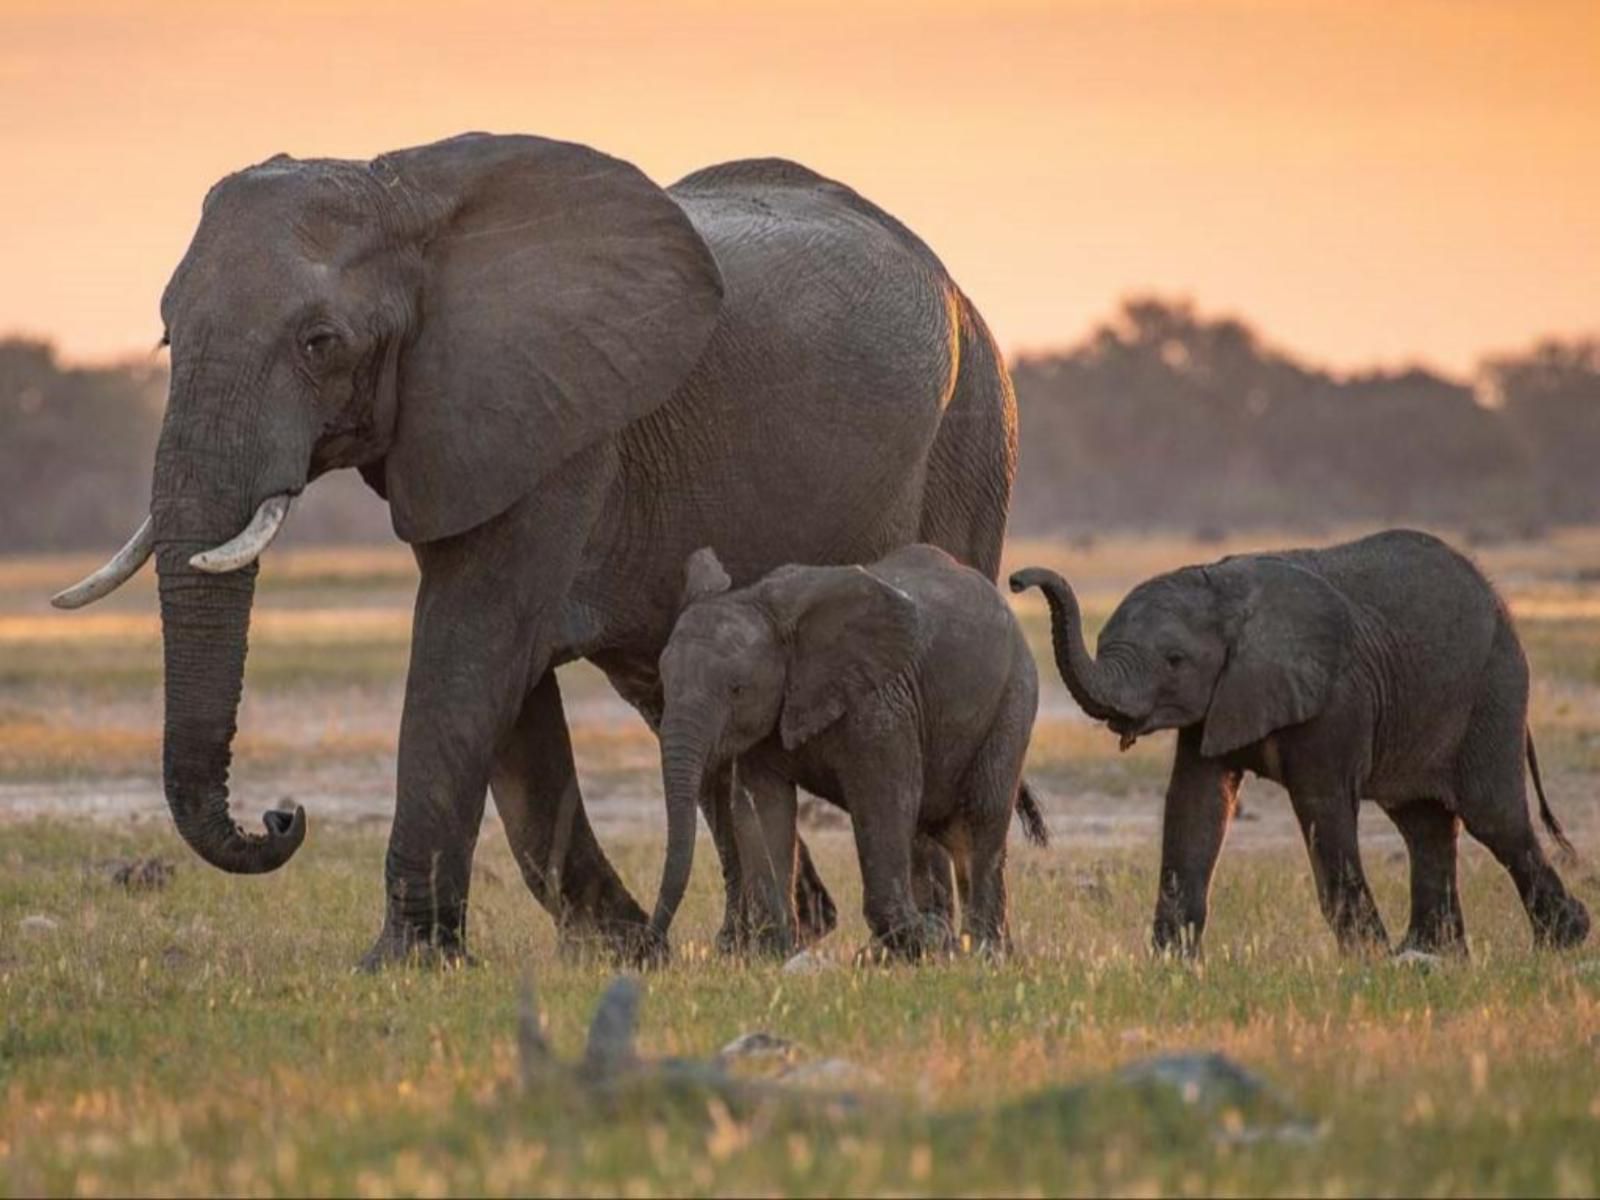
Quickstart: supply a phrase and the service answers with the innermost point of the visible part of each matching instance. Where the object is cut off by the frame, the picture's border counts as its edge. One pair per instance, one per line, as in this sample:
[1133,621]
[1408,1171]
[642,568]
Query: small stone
[38,923]
[1420,959]
[807,962]
[761,1044]
[837,1074]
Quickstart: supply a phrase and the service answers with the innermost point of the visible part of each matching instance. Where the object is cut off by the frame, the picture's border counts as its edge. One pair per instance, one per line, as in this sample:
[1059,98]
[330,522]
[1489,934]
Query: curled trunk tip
[205,626]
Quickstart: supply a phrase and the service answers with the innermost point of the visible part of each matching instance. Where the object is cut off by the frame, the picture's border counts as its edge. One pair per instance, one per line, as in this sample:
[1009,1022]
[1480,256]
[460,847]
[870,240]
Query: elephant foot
[1176,940]
[623,942]
[740,939]
[406,946]
[1444,940]
[1560,923]
[913,941]
[990,948]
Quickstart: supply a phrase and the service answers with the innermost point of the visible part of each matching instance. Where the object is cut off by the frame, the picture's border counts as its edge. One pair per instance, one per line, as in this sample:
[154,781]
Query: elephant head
[1247,646]
[792,652]
[454,320]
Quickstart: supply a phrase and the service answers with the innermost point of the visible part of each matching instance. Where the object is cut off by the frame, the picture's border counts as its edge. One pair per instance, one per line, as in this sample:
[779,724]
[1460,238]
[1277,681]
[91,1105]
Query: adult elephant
[563,378]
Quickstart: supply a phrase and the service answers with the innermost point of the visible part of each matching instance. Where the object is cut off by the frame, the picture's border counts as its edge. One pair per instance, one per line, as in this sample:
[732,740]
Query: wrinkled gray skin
[1383,669]
[563,378]
[903,691]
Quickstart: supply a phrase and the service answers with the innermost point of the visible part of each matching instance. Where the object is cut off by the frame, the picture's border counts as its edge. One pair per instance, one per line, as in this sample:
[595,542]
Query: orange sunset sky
[1409,181]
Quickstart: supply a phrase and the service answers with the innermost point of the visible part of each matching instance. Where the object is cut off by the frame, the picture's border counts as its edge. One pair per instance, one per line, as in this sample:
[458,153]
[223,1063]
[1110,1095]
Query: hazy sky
[1406,180]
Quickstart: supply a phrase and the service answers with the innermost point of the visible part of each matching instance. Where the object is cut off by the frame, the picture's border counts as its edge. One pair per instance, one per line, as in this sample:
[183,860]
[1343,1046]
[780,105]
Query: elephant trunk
[211,469]
[1085,678]
[685,750]
[205,620]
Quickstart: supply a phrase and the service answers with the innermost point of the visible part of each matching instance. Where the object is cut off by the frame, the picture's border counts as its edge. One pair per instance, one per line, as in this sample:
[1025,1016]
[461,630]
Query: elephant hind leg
[815,912]
[1492,797]
[535,787]
[1431,831]
[989,798]
[1493,802]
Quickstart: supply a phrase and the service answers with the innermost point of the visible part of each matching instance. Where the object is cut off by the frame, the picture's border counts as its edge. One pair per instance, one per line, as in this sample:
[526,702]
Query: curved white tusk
[122,566]
[252,540]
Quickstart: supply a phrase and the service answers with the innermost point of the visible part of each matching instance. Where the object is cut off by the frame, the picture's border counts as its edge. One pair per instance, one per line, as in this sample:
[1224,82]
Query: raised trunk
[205,620]
[684,750]
[1084,677]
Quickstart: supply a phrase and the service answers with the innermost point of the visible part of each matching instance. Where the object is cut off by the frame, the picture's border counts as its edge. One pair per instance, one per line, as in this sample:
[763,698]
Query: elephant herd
[611,418]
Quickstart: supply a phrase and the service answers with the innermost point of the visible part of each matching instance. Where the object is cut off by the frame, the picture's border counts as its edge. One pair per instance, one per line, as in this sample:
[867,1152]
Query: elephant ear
[848,632]
[564,295]
[1288,633]
[703,577]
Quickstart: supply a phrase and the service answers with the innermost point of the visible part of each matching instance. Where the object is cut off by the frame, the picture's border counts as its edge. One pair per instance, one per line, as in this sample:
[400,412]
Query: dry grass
[209,1037]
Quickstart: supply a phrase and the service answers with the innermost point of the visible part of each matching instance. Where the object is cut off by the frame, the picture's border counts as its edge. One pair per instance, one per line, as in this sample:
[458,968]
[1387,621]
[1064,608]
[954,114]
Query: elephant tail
[1033,826]
[1545,815]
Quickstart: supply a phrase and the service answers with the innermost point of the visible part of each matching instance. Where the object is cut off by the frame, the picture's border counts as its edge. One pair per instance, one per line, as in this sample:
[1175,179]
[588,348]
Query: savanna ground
[208,1035]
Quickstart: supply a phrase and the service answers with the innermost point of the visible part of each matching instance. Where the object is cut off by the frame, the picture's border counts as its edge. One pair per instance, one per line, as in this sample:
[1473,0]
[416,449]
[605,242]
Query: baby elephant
[1385,669]
[902,690]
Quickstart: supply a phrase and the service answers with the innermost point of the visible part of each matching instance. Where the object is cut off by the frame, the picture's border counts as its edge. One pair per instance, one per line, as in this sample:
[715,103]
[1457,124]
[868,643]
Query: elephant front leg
[884,799]
[749,910]
[535,787]
[443,772]
[461,700]
[935,872]
[764,812]
[716,805]
[482,638]
[1202,795]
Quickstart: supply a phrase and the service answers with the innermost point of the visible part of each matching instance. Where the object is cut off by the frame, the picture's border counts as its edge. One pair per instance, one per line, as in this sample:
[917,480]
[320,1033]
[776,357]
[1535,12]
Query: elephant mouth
[1129,729]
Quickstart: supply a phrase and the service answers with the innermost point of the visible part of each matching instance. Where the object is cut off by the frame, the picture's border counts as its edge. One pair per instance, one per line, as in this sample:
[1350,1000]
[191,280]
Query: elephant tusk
[121,567]
[251,541]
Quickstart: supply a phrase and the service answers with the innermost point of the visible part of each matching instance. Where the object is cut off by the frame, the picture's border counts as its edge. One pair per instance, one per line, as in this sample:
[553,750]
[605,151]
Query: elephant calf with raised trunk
[903,691]
[1384,668]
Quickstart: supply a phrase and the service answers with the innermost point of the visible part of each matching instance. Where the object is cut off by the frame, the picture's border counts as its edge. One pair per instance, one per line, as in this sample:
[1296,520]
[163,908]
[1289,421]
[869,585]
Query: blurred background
[1292,264]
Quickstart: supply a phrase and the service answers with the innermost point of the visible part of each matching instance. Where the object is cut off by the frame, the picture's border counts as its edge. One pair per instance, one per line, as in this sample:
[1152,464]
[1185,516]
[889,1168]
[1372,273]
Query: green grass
[211,1037]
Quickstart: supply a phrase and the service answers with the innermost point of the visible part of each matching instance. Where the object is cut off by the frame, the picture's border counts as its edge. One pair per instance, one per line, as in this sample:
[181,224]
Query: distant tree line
[1160,419]
[1163,419]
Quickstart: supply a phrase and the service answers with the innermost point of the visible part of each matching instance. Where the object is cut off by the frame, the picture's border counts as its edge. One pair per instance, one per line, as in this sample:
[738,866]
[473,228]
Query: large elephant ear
[1288,633]
[564,295]
[849,633]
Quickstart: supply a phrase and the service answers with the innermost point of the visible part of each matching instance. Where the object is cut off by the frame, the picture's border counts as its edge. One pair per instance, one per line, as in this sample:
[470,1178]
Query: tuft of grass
[211,1037]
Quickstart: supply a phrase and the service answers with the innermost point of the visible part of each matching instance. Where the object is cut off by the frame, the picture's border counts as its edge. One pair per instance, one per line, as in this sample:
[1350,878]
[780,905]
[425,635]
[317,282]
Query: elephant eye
[1174,658]
[318,343]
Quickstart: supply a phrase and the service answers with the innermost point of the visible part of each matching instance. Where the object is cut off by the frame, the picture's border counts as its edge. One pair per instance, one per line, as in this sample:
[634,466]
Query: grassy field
[208,1035]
